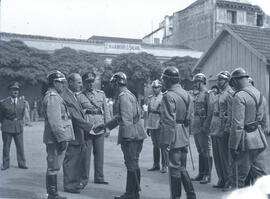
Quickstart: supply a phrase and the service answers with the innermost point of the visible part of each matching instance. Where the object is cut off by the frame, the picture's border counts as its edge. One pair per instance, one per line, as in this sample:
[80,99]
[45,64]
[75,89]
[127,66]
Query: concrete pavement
[30,184]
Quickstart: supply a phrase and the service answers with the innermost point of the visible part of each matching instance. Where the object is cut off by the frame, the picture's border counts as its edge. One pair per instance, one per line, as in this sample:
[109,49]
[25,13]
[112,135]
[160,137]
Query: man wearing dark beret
[11,117]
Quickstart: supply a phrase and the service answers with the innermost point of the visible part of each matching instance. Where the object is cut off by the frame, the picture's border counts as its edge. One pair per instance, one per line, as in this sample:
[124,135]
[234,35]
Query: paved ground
[30,184]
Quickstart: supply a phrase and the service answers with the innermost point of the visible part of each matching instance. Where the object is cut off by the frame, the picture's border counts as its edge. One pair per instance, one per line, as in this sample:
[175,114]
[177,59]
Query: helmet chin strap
[223,85]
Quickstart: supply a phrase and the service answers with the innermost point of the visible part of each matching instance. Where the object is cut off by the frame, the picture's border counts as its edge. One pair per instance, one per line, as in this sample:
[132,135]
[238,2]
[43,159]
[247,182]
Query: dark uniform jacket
[174,111]
[58,125]
[244,113]
[200,121]
[11,115]
[80,125]
[127,116]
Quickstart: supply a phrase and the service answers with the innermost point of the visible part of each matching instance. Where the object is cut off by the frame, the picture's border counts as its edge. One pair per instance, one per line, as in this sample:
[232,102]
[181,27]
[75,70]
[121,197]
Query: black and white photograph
[125,99]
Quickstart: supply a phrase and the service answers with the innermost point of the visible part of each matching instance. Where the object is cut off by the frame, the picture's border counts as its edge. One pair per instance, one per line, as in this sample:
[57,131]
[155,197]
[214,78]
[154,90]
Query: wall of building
[194,26]
[153,37]
[106,49]
[229,54]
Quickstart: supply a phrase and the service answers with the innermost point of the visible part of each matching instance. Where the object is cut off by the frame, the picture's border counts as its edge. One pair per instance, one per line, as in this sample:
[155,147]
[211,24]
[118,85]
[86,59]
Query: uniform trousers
[177,161]
[221,157]
[18,139]
[72,161]
[55,159]
[95,142]
[203,144]
[242,165]
[131,150]
[155,136]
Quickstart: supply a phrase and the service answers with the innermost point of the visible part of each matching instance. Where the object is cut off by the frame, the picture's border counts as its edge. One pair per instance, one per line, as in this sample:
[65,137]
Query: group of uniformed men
[230,124]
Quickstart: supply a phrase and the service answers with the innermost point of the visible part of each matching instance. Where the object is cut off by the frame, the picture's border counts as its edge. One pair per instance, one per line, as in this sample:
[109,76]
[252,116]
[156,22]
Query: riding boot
[175,187]
[208,169]
[201,169]
[188,186]
[164,161]
[138,189]
[156,156]
[51,185]
[130,187]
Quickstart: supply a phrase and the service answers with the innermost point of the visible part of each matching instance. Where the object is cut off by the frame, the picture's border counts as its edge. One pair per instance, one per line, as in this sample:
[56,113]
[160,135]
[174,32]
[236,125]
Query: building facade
[197,25]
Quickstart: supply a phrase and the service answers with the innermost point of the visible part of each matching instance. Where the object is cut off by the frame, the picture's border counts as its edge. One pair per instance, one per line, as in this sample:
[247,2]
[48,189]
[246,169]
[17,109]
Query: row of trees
[18,61]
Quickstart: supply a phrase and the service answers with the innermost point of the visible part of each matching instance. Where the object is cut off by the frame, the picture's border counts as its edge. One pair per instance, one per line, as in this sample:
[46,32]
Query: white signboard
[123,46]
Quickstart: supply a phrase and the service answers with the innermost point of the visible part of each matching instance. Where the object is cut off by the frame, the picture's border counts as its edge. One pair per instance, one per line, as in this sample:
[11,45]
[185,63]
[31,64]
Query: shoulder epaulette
[100,91]
[165,93]
[122,93]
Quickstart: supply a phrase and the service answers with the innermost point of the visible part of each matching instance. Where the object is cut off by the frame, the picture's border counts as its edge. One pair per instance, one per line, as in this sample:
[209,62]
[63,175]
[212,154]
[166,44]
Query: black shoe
[126,196]
[199,177]
[72,190]
[206,179]
[101,182]
[4,168]
[219,186]
[80,186]
[154,168]
[23,167]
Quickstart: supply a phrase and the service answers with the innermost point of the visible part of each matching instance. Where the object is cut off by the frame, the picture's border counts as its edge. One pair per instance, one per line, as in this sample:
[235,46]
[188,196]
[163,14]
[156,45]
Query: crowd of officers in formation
[228,124]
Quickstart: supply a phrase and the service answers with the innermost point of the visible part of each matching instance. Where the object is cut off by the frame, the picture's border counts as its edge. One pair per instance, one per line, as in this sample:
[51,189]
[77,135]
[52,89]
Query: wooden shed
[239,46]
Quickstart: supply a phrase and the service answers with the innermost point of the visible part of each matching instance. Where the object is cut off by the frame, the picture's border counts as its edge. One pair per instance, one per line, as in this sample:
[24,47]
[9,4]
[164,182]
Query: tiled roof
[256,37]
[115,39]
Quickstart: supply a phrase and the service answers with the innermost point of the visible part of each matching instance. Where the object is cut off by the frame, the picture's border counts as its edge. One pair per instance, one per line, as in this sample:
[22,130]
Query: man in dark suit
[76,148]
[11,117]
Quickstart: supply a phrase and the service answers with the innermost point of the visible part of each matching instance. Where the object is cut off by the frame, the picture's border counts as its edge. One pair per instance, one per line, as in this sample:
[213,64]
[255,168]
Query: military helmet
[156,83]
[56,76]
[119,78]
[171,73]
[239,73]
[199,77]
[224,75]
[89,77]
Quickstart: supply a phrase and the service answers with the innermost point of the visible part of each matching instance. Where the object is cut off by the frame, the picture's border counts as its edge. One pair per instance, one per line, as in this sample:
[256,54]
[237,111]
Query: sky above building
[84,18]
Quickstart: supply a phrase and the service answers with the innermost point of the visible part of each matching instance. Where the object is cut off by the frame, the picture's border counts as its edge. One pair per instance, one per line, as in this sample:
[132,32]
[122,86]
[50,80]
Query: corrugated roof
[256,37]
[115,39]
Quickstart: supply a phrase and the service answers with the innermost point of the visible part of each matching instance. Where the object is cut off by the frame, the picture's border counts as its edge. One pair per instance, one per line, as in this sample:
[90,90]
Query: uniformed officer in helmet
[200,128]
[174,137]
[58,130]
[247,139]
[153,127]
[131,133]
[93,101]
[219,128]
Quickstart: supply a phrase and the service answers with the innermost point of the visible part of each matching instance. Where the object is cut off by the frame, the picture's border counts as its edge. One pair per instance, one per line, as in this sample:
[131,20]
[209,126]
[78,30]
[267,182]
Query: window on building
[156,41]
[231,16]
[259,20]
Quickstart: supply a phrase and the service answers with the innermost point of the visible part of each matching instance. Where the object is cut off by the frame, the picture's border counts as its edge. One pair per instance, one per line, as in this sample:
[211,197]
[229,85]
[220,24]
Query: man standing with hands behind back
[11,116]
[153,127]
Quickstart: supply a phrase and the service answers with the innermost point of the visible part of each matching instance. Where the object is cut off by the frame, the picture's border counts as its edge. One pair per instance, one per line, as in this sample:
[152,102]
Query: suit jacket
[244,112]
[174,111]
[127,117]
[11,115]
[58,126]
[80,125]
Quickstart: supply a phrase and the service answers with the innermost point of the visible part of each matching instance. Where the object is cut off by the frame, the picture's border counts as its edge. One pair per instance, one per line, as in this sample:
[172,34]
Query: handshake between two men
[96,130]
